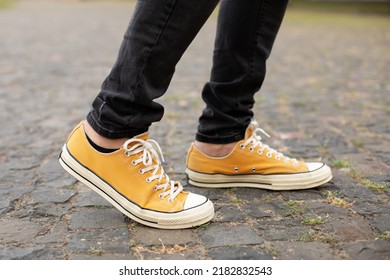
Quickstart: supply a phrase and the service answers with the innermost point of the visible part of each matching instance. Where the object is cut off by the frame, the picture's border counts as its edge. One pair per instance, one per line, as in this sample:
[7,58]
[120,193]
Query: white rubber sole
[178,220]
[280,182]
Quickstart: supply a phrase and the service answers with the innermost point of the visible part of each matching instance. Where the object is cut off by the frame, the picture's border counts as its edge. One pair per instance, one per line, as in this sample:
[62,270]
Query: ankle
[100,140]
[215,150]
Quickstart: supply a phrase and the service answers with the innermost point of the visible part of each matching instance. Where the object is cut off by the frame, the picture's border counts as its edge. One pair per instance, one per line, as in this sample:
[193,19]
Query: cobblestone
[239,253]
[215,236]
[364,250]
[13,231]
[99,241]
[303,251]
[97,218]
[155,237]
[326,97]
[381,223]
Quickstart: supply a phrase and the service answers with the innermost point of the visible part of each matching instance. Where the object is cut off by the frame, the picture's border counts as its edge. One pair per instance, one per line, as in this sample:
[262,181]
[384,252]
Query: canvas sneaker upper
[254,164]
[133,180]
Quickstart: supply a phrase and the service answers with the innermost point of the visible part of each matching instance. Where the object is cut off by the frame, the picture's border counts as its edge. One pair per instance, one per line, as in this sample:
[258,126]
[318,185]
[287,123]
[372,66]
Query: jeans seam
[233,137]
[97,121]
[138,81]
[110,133]
[259,26]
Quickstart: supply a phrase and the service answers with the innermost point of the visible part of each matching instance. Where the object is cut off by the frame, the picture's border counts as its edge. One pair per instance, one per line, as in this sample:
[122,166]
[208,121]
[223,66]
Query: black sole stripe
[130,214]
[279,174]
[117,191]
[229,182]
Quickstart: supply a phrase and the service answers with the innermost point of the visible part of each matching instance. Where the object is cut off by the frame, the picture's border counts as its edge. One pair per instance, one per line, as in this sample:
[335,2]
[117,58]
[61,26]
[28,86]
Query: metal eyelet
[127,153]
[269,155]
[155,188]
[148,180]
[251,149]
[133,162]
[160,196]
[242,146]
[254,170]
[260,152]
[141,172]
[235,169]
[170,200]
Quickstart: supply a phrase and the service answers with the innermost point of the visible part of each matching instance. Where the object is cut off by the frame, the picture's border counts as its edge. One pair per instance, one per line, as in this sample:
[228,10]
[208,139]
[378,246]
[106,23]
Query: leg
[131,176]
[157,36]
[228,151]
[245,35]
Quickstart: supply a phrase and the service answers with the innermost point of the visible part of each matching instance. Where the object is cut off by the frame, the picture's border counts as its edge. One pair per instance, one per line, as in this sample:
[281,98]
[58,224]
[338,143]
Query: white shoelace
[255,140]
[147,148]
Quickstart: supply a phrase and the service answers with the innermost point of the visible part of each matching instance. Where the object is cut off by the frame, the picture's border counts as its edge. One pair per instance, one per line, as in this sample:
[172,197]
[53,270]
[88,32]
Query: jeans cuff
[112,134]
[234,137]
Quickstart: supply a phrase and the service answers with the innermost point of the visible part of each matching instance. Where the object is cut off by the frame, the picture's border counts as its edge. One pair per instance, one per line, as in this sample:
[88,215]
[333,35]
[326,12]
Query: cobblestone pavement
[326,97]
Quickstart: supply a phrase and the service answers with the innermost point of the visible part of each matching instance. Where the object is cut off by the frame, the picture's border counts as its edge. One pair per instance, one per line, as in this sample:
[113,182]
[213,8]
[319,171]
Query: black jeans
[157,36]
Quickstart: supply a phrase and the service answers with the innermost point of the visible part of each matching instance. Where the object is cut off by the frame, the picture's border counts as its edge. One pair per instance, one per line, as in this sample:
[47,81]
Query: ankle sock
[100,149]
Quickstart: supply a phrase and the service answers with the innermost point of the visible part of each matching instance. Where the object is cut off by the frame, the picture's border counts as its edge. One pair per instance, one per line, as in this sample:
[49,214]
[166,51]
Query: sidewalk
[326,96]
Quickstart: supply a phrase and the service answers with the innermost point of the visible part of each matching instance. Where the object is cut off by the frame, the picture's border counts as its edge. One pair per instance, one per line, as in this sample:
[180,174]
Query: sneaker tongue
[250,131]
[144,136]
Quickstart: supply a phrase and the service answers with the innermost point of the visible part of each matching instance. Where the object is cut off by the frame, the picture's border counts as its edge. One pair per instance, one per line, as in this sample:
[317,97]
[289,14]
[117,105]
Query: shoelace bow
[255,140]
[147,148]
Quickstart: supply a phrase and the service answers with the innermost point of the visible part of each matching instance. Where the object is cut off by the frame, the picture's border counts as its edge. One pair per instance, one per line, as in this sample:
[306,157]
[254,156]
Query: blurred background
[361,6]
[326,97]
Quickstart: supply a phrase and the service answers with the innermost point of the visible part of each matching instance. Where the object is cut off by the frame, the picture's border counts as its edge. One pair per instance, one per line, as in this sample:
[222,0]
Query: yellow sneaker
[133,180]
[253,164]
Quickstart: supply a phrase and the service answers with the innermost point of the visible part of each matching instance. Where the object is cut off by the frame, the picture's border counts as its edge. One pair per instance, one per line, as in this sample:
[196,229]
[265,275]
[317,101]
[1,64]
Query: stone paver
[326,96]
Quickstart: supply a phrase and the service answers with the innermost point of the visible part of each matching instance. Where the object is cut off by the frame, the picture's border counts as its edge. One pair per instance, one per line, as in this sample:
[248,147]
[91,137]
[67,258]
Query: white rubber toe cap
[312,166]
[194,200]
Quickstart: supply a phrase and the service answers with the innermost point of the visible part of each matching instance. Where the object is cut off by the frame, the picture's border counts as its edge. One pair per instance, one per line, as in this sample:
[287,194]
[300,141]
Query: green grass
[271,250]
[358,144]
[96,251]
[312,235]
[340,7]
[312,221]
[236,200]
[101,206]
[294,208]
[385,235]
[341,163]
[353,174]
[4,4]
[378,187]
[346,14]
[72,187]
[333,198]
[364,182]
[203,226]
